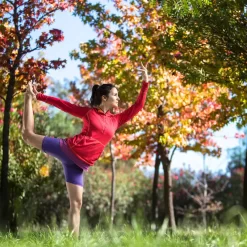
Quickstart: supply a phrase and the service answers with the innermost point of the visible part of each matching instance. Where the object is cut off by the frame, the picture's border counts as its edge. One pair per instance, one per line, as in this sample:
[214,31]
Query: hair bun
[95,87]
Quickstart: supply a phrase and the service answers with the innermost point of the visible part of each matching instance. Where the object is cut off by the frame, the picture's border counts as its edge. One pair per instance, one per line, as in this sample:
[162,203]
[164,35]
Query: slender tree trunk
[13,215]
[154,212]
[113,167]
[245,183]
[205,193]
[5,214]
[155,188]
[168,194]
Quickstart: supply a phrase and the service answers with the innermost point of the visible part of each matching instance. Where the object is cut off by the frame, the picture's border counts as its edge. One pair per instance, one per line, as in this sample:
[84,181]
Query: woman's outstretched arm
[75,110]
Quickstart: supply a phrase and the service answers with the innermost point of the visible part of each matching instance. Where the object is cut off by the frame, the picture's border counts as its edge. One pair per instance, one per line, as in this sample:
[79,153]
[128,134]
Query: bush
[133,193]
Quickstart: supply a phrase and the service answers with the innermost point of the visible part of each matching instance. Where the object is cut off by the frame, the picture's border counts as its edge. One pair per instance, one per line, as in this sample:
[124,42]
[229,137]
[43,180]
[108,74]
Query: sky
[76,32]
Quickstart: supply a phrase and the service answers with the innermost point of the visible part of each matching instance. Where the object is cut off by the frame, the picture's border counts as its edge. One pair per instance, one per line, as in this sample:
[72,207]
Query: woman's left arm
[129,113]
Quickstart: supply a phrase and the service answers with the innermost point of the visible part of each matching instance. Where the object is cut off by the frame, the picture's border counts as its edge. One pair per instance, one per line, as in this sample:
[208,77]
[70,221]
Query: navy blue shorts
[73,173]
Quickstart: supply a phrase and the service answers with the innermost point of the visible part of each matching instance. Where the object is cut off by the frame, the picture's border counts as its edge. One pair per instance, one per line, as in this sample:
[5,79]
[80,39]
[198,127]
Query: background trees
[176,115]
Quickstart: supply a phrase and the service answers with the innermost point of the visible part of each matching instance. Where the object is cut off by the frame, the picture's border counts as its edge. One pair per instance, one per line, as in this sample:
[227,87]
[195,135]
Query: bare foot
[30,92]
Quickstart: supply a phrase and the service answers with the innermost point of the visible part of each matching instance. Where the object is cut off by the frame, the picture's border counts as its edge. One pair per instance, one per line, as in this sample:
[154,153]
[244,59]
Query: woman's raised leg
[28,124]
[75,193]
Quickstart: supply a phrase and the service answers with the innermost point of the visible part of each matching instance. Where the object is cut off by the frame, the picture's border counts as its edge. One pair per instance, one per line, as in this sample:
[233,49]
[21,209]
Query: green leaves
[213,50]
[183,7]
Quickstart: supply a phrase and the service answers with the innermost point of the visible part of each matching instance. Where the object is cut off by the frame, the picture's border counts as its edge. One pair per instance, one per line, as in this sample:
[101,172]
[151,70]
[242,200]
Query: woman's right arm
[75,110]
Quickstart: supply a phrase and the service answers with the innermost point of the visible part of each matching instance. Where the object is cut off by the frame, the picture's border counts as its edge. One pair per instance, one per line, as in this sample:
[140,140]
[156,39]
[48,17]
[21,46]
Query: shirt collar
[99,110]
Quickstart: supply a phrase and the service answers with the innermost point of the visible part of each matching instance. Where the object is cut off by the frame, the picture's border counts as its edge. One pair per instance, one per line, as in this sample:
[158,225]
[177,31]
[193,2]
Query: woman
[79,152]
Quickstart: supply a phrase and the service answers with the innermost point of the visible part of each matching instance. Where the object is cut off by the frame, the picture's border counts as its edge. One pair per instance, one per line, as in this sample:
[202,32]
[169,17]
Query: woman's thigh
[73,173]
[51,146]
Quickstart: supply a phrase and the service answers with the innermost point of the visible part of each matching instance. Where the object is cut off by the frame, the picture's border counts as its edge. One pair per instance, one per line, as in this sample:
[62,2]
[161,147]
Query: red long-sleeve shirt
[98,128]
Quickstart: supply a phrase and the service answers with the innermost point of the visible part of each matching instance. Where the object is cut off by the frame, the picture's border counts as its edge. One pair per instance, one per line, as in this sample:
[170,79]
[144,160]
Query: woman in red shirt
[79,152]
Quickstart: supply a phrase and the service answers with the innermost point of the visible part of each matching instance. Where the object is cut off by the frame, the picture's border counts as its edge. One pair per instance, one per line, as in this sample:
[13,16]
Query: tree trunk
[168,195]
[5,214]
[13,227]
[113,167]
[205,193]
[245,183]
[155,188]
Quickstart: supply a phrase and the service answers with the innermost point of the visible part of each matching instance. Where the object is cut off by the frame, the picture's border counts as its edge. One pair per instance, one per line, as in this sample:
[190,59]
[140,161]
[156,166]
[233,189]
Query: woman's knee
[32,139]
[26,134]
[75,205]
[75,193]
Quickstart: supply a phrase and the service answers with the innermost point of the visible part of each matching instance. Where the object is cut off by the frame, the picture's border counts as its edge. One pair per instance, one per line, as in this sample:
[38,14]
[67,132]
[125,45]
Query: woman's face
[113,98]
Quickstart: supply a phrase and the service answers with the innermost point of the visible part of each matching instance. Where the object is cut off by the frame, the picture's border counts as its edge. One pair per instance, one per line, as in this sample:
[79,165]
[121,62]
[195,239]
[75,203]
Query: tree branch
[18,92]
[173,151]
[2,98]
[41,18]
[10,2]
[196,200]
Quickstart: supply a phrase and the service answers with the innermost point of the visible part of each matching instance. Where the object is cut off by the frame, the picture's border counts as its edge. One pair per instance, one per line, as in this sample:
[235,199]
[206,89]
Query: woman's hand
[31,90]
[144,72]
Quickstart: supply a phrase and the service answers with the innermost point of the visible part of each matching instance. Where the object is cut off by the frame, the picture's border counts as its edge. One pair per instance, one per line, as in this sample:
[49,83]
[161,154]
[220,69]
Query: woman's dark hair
[98,91]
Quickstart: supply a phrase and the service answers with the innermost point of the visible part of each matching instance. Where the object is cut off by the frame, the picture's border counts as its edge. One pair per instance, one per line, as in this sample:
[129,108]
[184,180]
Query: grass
[129,237]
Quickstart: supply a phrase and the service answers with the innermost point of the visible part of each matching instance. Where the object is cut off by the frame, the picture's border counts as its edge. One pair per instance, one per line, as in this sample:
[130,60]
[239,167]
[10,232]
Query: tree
[19,18]
[219,30]
[175,115]
[191,199]
[25,163]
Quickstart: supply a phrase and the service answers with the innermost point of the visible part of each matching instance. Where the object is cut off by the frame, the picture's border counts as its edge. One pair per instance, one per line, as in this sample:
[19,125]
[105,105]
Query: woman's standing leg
[75,193]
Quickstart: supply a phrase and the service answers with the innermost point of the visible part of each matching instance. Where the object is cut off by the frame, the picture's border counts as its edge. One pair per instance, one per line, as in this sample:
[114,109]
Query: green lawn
[224,236]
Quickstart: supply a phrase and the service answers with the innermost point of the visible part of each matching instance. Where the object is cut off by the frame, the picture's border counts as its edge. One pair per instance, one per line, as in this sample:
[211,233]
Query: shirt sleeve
[129,113]
[75,110]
